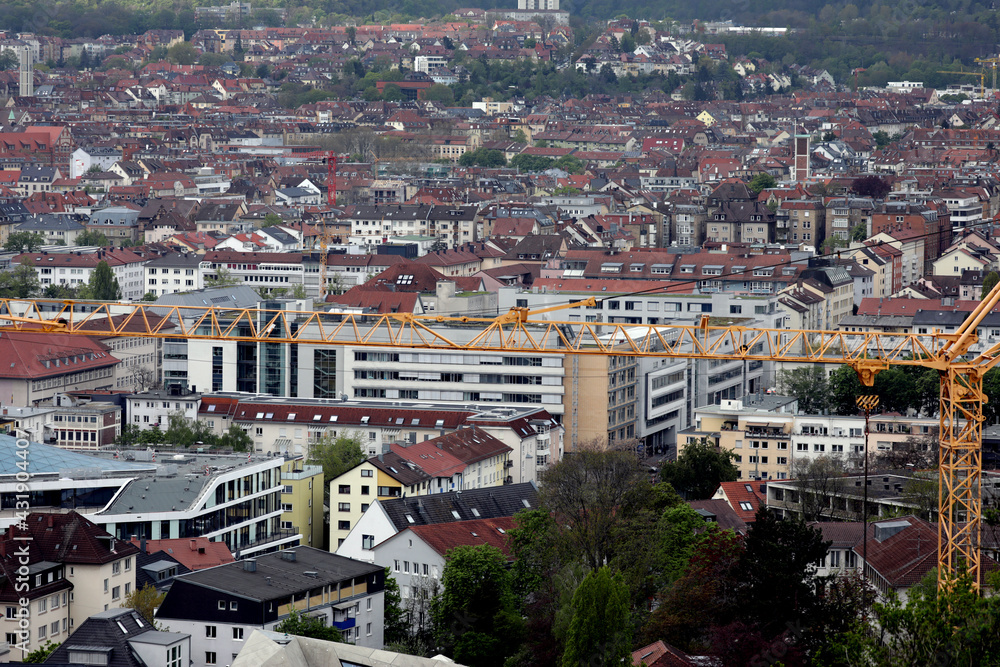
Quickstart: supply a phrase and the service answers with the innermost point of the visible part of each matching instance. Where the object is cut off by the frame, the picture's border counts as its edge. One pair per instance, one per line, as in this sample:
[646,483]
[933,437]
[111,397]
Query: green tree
[954,626]
[336,454]
[130,434]
[882,138]
[396,629]
[777,574]
[148,296]
[990,281]
[601,629]
[182,53]
[185,432]
[531,163]
[808,385]
[761,181]
[103,286]
[483,157]
[476,617]
[145,600]
[870,186]
[24,241]
[699,470]
[308,626]
[392,93]
[40,654]
[236,439]
[270,220]
[859,232]
[440,93]
[8,60]
[59,292]
[223,278]
[92,238]
[21,282]
[588,493]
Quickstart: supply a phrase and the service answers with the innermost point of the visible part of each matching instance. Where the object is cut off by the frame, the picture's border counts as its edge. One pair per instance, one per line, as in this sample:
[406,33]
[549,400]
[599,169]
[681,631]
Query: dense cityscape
[510,337]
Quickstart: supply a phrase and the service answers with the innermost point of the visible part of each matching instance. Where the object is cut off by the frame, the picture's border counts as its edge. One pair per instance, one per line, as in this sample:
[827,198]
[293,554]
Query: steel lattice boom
[522,330]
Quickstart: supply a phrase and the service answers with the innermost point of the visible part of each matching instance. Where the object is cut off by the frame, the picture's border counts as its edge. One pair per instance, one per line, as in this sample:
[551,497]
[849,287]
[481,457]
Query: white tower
[26,71]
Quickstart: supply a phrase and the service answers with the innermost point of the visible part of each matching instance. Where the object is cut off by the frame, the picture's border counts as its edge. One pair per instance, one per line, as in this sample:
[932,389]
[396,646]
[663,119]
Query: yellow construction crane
[990,63]
[981,75]
[522,330]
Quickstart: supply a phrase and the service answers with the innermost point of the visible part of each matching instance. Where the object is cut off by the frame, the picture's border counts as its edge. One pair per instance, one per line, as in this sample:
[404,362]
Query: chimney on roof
[49,521]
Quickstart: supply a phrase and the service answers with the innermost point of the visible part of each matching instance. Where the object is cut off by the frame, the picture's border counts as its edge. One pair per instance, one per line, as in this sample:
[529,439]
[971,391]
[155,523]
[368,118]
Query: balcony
[346,624]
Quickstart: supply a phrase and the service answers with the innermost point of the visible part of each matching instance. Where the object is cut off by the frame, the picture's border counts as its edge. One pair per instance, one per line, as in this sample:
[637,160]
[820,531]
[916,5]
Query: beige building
[302,501]
[600,399]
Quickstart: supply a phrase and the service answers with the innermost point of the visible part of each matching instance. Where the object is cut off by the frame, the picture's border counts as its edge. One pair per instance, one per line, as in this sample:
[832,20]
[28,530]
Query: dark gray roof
[286,577]
[939,318]
[489,503]
[47,222]
[103,632]
[237,296]
[147,566]
[177,261]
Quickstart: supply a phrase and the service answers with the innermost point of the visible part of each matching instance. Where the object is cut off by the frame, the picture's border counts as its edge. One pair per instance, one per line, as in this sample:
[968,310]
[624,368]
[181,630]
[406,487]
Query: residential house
[220,607]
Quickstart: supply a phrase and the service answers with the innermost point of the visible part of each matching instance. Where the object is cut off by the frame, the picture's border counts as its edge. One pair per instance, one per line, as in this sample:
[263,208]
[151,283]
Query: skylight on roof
[211,408]
[333,418]
[455,514]
[316,418]
[260,415]
[364,420]
[405,279]
[291,415]
[409,518]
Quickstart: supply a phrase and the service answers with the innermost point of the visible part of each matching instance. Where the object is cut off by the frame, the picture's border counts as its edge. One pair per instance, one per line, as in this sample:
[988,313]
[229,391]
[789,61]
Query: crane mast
[524,330]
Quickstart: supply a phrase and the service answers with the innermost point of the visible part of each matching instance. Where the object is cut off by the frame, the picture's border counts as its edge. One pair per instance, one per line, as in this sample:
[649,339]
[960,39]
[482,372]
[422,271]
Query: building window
[343,525]
[343,507]
[233,605]
[367,541]
[238,634]
[209,657]
[174,656]
[366,473]
[210,632]
[116,592]
[344,488]
[222,605]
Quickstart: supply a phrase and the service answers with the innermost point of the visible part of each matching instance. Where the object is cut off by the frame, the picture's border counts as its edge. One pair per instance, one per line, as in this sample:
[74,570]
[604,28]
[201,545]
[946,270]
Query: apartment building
[220,607]
[464,460]
[98,570]
[302,501]
[170,274]
[769,437]
[387,517]
[72,268]
[153,408]
[224,498]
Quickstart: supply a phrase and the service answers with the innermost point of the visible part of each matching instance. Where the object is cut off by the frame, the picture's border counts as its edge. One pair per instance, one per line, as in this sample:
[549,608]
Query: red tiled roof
[25,354]
[444,536]
[196,553]
[388,416]
[741,492]
[72,538]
